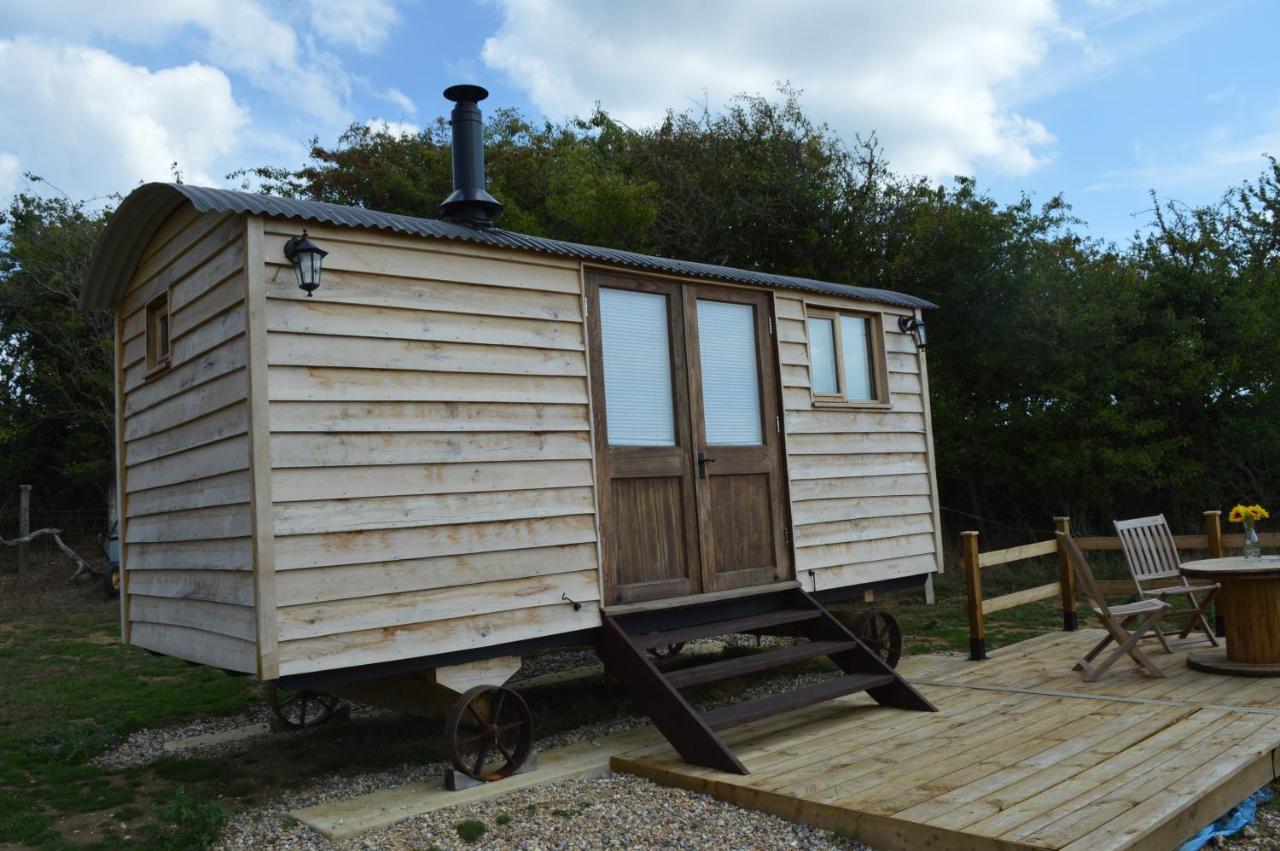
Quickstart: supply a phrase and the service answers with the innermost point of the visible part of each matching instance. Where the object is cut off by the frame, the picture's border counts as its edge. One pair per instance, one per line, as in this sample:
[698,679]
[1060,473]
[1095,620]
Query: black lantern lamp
[307,258]
[914,326]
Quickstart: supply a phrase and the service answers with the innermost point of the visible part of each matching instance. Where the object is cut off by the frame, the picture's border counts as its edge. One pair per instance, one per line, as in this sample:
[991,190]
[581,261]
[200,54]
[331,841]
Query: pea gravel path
[615,812]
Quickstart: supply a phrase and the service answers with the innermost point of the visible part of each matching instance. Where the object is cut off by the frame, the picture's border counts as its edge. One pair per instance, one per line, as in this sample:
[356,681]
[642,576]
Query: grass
[470,830]
[72,691]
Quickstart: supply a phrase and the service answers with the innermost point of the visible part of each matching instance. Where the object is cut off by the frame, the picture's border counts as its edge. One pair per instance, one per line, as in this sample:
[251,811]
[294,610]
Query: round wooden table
[1250,603]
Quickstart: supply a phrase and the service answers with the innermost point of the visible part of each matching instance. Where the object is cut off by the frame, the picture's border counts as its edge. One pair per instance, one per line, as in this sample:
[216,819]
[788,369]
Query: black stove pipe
[469,204]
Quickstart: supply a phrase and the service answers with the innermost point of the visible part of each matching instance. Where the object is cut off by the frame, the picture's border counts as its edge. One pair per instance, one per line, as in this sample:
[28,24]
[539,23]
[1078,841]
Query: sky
[1102,101]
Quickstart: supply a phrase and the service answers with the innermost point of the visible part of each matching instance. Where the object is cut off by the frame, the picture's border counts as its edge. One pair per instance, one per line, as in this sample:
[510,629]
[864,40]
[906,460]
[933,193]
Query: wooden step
[750,664]
[744,713]
[729,627]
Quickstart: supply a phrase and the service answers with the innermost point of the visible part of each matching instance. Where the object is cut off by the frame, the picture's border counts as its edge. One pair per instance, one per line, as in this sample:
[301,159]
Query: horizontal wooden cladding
[228,554]
[860,486]
[212,459]
[212,303]
[857,552]
[828,510]
[324,584]
[417,259]
[425,295]
[225,618]
[196,645]
[196,524]
[811,467]
[841,422]
[226,326]
[209,249]
[219,425]
[195,403]
[224,489]
[411,607]
[324,449]
[864,443]
[228,357]
[407,642]
[375,237]
[319,316]
[217,586]
[381,354]
[425,416]
[799,399]
[395,512]
[841,576]
[296,484]
[861,529]
[299,383]
[341,548]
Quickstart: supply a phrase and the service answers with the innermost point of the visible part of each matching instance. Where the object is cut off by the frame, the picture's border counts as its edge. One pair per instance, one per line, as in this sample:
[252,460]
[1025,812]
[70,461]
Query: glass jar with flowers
[1248,516]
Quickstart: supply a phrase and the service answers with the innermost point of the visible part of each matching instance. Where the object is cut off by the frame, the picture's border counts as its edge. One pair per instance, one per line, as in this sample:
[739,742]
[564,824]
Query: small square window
[158,333]
[846,361]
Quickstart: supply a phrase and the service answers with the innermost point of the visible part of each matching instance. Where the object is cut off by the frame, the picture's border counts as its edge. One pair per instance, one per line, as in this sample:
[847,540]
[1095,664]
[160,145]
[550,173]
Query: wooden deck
[1022,754]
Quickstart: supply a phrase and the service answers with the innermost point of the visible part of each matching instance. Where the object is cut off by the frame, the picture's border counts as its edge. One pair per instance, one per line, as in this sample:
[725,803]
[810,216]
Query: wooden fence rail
[973,561]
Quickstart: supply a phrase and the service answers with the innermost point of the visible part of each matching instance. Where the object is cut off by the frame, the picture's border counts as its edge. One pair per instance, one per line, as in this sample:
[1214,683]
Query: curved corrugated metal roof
[142,213]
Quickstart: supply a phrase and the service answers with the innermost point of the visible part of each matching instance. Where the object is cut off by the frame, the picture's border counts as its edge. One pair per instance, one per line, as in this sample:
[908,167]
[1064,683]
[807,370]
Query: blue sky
[1101,100]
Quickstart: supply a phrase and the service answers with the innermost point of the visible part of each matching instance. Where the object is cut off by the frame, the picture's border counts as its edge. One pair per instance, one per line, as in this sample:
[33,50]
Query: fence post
[1066,580]
[973,596]
[24,527]
[1213,532]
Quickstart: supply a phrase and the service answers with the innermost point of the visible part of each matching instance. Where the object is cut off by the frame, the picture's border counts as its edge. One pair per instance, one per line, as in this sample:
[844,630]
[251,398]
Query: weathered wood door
[689,457]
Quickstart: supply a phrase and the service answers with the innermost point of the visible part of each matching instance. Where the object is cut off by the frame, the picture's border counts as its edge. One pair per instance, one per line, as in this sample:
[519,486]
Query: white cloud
[362,24]
[400,99]
[240,36]
[931,78]
[9,171]
[94,124]
[392,128]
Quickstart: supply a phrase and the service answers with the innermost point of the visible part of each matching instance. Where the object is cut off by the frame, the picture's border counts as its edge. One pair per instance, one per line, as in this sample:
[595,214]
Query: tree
[55,361]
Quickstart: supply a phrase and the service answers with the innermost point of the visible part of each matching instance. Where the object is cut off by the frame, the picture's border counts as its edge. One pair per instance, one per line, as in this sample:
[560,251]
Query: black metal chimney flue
[469,204]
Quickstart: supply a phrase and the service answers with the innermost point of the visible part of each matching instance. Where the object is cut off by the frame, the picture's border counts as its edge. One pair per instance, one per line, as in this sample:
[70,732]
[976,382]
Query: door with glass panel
[687,438]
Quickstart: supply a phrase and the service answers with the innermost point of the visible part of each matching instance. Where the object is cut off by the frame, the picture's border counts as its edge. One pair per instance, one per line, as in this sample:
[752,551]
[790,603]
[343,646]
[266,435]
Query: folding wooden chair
[1115,620]
[1153,557]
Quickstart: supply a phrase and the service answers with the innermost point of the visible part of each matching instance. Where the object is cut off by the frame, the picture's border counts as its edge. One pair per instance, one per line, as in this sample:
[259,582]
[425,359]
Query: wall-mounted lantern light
[307,258]
[914,326]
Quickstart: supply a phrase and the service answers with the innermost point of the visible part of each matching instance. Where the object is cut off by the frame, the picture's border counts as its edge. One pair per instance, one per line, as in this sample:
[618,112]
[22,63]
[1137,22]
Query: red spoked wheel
[882,635]
[299,710]
[488,733]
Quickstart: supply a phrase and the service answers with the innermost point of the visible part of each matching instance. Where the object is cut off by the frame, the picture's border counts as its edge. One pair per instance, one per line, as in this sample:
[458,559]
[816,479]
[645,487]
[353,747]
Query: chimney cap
[466,93]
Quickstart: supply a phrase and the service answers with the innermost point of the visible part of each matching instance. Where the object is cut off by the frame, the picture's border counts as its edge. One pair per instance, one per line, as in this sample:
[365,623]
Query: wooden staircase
[624,640]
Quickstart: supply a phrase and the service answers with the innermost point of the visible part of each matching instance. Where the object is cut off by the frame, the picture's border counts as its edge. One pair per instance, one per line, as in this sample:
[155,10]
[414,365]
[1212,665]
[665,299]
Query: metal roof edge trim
[144,210]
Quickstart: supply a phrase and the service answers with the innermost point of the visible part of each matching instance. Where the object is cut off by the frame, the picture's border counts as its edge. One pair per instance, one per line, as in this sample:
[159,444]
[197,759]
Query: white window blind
[856,343]
[730,376]
[822,356]
[637,368]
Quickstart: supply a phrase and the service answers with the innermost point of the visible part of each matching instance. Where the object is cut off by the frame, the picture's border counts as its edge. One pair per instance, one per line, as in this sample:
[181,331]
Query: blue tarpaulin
[1232,822]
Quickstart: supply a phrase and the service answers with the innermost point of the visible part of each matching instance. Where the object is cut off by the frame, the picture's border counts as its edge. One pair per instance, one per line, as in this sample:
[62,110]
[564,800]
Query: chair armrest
[1180,589]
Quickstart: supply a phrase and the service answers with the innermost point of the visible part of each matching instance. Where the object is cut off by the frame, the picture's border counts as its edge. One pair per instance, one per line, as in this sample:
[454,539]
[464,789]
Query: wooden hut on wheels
[357,448]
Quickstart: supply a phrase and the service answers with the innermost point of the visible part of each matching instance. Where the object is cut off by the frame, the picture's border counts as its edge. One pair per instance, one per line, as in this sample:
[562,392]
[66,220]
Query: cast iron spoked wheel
[488,733]
[299,710]
[880,632]
[666,651]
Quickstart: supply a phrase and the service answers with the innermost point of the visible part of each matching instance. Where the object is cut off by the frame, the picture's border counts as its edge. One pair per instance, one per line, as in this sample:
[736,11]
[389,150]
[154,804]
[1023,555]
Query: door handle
[703,461]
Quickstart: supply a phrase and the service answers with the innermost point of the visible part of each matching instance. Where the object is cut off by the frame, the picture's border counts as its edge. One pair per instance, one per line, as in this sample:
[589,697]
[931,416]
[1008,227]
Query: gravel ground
[615,812]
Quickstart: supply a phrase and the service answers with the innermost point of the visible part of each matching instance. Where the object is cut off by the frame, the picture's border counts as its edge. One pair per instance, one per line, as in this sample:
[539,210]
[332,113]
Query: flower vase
[1252,549]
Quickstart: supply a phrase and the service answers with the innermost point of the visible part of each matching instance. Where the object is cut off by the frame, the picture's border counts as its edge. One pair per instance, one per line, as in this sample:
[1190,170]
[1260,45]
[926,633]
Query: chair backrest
[1080,565]
[1149,549]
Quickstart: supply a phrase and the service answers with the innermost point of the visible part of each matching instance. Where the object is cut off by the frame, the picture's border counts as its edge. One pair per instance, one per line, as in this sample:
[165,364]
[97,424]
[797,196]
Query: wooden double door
[688,438]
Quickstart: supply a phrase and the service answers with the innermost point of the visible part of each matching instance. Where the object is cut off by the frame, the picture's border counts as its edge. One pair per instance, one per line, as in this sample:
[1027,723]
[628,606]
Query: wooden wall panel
[184,462]
[430,449]
[862,493]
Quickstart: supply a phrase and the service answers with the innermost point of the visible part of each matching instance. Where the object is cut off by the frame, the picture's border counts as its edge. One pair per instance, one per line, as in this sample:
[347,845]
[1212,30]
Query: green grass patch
[502,820]
[470,830]
[184,822]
